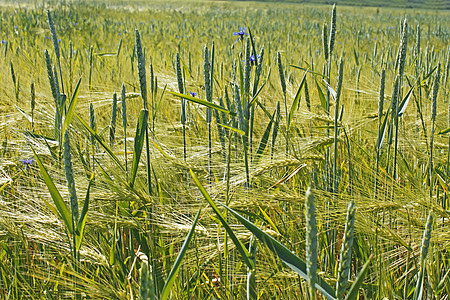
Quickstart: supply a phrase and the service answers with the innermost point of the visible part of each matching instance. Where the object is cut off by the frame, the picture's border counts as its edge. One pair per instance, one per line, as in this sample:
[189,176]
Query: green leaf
[255,96]
[444,131]
[101,142]
[138,143]
[176,266]
[323,101]
[238,131]
[202,102]
[308,70]
[239,246]
[265,138]
[354,289]
[404,103]
[83,217]
[382,133]
[289,258]
[296,102]
[71,108]
[64,213]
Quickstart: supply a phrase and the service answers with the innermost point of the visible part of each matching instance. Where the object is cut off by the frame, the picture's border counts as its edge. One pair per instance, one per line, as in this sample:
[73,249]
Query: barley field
[224,150]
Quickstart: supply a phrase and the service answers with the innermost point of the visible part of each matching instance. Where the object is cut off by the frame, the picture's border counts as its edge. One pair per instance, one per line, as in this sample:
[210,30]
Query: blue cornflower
[27,162]
[252,58]
[3,41]
[240,34]
[193,94]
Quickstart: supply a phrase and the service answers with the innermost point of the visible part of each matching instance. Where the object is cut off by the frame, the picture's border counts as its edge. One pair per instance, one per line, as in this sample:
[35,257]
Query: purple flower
[59,40]
[15,27]
[374,39]
[3,42]
[76,23]
[27,163]
[240,34]
[47,37]
[252,58]
[193,94]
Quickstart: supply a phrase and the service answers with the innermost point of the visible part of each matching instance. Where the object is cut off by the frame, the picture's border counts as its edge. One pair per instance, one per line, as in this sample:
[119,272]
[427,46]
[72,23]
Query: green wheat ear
[141,68]
[423,256]
[68,169]
[281,73]
[51,24]
[345,259]
[146,287]
[123,98]
[311,241]
[332,29]
[92,122]
[402,48]
[112,127]
[325,41]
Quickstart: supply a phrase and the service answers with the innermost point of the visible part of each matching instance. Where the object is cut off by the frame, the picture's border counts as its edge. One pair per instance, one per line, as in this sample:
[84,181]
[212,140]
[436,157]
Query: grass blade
[289,258]
[101,142]
[296,102]
[265,138]
[404,103]
[71,109]
[323,101]
[64,212]
[138,143]
[382,133]
[354,289]
[240,247]
[176,266]
[83,217]
[202,102]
